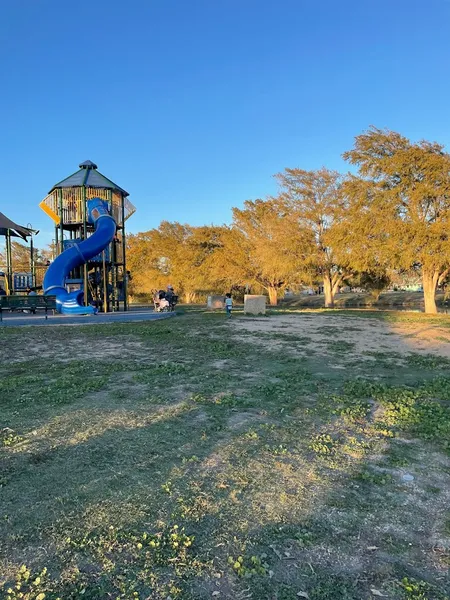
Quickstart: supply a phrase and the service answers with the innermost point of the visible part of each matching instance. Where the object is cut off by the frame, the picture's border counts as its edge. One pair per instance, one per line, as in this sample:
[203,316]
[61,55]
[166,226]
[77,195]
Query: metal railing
[72,204]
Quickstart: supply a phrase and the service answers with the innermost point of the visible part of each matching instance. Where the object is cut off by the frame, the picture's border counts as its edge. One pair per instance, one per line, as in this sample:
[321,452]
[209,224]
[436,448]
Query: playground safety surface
[23,319]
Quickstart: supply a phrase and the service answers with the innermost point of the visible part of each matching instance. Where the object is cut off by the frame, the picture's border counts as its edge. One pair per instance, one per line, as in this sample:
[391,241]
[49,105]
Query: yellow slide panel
[48,211]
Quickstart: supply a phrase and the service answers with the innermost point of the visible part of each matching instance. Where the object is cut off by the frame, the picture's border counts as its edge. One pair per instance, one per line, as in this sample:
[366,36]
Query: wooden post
[113,259]
[105,285]
[61,221]
[56,242]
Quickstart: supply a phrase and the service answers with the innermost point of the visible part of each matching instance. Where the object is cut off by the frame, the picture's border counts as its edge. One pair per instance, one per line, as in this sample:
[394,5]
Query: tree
[178,254]
[406,188]
[152,256]
[262,246]
[47,254]
[20,256]
[315,200]
[359,242]
[374,282]
[199,264]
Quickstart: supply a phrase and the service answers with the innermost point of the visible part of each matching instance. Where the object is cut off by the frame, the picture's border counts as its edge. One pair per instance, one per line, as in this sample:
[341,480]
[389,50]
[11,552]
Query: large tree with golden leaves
[400,205]
[316,202]
[263,246]
[183,256]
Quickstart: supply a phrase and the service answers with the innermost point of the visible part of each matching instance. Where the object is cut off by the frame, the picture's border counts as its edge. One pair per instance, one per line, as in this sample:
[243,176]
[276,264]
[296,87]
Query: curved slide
[58,271]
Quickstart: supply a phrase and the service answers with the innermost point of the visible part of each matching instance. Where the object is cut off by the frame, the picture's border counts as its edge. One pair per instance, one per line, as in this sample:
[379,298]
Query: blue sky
[193,105]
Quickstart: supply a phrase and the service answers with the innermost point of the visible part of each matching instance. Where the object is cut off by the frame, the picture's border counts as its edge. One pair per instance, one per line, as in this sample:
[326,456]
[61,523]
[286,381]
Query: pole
[105,285]
[33,277]
[110,292]
[124,268]
[85,272]
[61,222]
[9,275]
[113,261]
[114,278]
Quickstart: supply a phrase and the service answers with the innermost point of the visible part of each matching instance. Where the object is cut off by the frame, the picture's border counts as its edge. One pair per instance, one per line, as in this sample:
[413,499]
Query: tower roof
[88,176]
[88,164]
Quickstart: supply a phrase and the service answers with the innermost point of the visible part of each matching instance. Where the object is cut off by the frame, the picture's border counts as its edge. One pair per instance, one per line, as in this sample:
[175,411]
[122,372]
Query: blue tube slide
[75,256]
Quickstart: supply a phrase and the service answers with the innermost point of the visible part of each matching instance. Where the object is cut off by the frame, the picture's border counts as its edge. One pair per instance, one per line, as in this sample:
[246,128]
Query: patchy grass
[194,458]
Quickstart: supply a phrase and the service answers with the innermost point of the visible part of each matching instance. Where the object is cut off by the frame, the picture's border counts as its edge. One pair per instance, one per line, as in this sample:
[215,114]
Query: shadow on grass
[248,491]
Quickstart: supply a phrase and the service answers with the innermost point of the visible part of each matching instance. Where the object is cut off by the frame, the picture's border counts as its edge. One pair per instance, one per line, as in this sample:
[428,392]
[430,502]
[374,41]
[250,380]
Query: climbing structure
[102,278]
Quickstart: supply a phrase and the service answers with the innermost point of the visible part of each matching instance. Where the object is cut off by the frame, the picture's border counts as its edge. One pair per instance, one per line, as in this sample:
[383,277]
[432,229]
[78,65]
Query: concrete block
[254,305]
[215,302]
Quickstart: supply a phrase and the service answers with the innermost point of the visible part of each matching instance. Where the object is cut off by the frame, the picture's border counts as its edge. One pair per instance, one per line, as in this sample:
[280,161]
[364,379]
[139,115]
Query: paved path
[133,316]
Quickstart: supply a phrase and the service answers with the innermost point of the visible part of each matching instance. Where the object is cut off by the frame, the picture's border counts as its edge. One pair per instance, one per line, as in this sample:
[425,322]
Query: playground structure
[10,281]
[89,272]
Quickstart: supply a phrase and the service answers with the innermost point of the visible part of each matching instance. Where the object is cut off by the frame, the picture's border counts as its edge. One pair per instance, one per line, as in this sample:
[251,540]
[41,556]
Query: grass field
[300,455]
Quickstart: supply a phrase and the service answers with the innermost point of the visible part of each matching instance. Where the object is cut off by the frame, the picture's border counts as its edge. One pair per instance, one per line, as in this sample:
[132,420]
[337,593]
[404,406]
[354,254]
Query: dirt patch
[101,348]
[239,419]
[365,335]
[220,363]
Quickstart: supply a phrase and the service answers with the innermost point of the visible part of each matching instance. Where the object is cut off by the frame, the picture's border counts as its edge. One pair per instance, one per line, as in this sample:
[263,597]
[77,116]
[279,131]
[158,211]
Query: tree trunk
[375,294]
[273,295]
[331,285]
[189,297]
[336,281]
[328,290]
[430,280]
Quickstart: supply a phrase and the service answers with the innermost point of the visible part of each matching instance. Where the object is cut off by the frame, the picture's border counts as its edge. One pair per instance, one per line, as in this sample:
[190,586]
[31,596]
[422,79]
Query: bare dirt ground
[365,335]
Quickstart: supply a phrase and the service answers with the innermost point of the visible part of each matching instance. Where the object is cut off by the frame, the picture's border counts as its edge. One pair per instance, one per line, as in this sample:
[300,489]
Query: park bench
[31,303]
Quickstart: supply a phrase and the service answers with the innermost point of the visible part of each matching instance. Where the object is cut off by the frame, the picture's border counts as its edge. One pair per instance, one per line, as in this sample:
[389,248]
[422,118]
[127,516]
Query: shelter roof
[6,225]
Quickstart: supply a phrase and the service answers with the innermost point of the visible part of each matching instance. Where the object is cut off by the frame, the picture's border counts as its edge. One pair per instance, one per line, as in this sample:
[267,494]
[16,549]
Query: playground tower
[103,277]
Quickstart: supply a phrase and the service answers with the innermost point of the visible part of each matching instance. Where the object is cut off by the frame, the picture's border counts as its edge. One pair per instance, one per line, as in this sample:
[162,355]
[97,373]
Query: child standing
[228,305]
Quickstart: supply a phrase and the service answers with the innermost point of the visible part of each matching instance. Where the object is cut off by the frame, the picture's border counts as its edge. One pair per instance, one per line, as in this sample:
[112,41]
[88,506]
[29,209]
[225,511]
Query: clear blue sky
[193,105]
